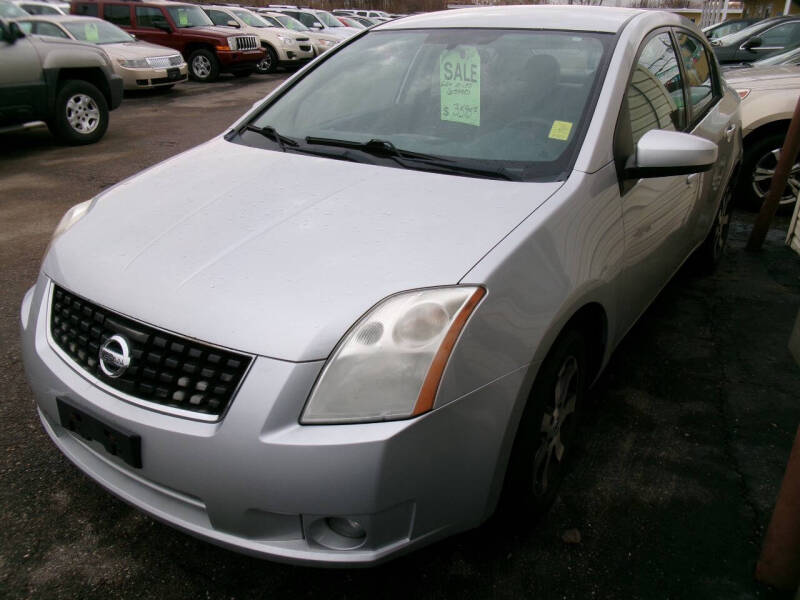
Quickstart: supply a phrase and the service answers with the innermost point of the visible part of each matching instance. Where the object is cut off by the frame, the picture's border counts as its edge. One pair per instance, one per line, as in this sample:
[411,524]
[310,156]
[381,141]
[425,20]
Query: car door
[772,41]
[654,210]
[144,27]
[710,115]
[22,86]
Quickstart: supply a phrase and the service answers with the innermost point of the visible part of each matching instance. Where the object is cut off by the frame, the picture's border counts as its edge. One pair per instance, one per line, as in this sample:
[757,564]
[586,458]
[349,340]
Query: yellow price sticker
[560,130]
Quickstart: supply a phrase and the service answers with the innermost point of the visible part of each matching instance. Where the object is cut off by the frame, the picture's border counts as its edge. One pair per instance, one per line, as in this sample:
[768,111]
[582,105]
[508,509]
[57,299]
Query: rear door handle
[729,132]
[691,178]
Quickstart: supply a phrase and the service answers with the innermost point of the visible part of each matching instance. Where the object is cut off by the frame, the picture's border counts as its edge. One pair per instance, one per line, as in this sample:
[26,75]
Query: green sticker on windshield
[92,35]
[183,18]
[460,85]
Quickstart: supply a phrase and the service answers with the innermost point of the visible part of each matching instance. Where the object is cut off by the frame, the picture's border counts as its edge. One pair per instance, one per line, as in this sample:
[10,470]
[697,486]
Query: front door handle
[691,178]
[729,132]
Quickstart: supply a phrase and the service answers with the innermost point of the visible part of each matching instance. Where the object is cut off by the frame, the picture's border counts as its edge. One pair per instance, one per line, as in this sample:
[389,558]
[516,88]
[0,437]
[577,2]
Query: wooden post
[779,179]
[779,564]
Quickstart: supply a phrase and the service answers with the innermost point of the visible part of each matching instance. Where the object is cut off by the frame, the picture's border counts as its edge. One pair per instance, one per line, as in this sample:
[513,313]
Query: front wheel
[546,432]
[758,167]
[269,63]
[81,114]
[203,66]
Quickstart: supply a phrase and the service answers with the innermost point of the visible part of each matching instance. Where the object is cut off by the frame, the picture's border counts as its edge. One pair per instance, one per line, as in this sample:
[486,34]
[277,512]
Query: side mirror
[665,153]
[753,42]
[232,23]
[316,26]
[11,32]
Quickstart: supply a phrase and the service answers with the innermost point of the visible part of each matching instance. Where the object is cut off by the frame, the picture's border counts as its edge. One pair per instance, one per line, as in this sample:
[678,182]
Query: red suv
[208,50]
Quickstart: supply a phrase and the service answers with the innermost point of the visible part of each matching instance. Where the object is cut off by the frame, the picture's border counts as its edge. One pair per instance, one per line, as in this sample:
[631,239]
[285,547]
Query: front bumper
[260,483]
[145,78]
[245,60]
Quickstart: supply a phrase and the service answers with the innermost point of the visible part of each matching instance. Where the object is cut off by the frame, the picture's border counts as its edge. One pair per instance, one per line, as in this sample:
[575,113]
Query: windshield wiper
[373,146]
[386,148]
[270,133]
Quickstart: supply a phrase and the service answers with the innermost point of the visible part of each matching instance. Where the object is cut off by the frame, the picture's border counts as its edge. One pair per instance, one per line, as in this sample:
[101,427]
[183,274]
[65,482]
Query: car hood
[279,254]
[133,50]
[778,77]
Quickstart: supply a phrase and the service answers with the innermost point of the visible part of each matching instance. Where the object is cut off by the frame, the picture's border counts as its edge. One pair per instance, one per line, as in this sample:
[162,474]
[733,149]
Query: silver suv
[69,85]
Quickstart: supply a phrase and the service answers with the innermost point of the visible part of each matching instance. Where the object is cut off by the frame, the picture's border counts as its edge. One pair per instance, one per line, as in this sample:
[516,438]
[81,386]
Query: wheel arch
[591,319]
[92,75]
[765,129]
[189,49]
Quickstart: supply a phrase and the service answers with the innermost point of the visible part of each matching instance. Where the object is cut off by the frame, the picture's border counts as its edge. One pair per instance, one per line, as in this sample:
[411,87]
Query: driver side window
[654,98]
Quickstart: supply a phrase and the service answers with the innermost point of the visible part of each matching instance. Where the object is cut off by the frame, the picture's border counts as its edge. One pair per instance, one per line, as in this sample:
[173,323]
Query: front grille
[162,62]
[165,369]
[302,39]
[245,42]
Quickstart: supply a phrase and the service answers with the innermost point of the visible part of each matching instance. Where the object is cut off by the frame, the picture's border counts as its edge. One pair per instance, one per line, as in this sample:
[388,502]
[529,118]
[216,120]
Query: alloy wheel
[764,171]
[557,424]
[83,114]
[201,67]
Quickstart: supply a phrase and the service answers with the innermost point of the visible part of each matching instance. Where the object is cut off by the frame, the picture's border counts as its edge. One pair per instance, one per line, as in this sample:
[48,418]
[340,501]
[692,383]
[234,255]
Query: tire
[708,255]
[268,64]
[760,159]
[242,74]
[203,66]
[81,113]
[547,428]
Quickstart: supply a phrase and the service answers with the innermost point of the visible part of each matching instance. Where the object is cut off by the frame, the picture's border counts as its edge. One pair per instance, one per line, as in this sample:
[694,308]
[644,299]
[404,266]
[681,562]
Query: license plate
[173,73]
[116,441]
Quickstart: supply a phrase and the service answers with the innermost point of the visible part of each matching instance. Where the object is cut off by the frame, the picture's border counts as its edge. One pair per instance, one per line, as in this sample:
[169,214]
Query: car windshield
[189,16]
[11,11]
[508,103]
[791,57]
[96,31]
[290,23]
[328,19]
[249,18]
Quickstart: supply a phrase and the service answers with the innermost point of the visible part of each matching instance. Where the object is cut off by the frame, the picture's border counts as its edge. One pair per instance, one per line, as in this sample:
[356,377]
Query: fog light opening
[338,533]
[349,528]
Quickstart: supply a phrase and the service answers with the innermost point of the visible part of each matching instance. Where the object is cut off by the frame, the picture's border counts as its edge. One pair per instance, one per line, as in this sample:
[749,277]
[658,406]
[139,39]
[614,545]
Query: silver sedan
[369,314]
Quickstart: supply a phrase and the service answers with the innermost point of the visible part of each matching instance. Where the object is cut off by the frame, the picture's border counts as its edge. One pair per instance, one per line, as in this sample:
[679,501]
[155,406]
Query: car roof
[59,18]
[574,18]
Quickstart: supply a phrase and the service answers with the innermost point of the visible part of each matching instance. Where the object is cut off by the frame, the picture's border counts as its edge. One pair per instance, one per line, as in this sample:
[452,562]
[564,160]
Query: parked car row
[138,45]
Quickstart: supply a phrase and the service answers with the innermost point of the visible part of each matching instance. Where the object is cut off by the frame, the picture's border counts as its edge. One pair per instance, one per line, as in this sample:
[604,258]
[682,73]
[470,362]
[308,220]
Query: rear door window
[118,14]
[88,10]
[781,35]
[218,17]
[700,80]
[147,16]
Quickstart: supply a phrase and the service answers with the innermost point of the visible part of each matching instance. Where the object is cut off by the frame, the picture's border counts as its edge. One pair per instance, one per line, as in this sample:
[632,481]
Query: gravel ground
[680,459]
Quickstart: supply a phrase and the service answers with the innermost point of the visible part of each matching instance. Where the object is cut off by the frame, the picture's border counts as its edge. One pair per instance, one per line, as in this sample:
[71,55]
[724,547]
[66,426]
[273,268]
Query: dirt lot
[671,490]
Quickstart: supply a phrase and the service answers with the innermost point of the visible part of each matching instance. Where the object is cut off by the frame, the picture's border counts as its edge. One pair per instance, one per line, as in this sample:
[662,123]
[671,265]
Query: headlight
[232,43]
[138,63]
[72,216]
[327,43]
[388,366]
[743,93]
[287,41]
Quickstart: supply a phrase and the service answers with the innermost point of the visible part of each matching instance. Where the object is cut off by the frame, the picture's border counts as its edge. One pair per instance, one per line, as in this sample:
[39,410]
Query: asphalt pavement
[680,456]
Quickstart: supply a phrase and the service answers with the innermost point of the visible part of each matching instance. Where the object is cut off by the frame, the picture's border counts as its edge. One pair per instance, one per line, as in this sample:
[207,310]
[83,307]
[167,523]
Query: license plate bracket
[116,441]
[173,73]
